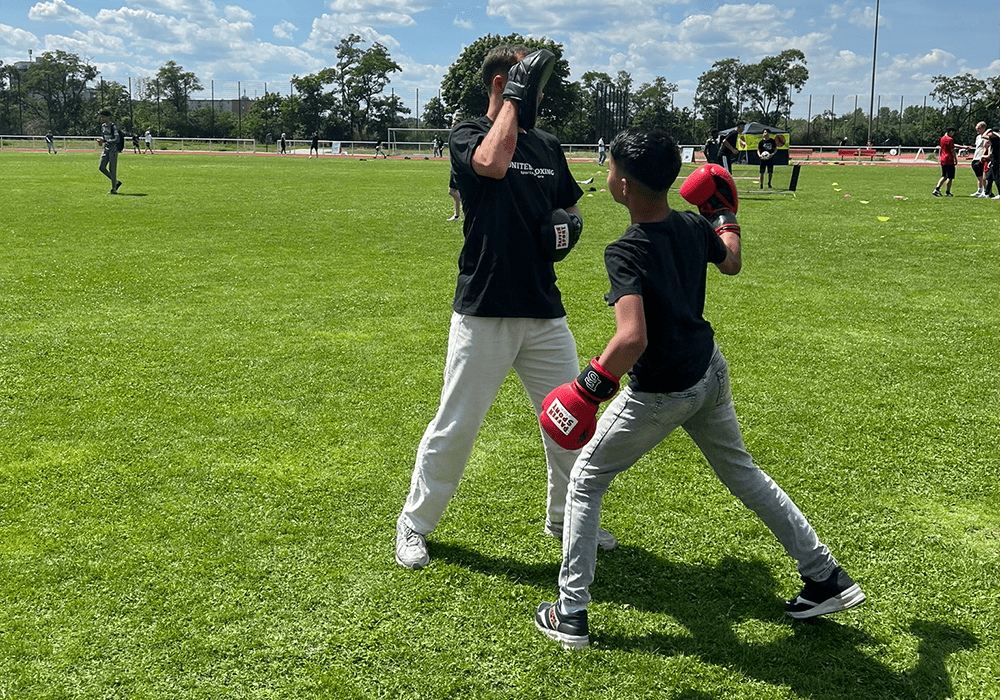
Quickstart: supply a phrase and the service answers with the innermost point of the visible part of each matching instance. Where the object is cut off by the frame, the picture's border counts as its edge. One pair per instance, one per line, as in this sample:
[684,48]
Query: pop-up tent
[751,136]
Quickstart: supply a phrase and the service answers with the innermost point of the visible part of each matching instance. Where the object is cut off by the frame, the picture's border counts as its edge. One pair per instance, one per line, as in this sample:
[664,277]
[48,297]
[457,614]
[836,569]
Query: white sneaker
[977,193]
[454,218]
[605,540]
[411,547]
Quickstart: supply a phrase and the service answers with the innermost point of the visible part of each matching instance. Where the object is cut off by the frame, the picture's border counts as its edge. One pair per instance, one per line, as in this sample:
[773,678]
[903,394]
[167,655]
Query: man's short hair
[499,60]
[650,156]
[950,128]
[105,112]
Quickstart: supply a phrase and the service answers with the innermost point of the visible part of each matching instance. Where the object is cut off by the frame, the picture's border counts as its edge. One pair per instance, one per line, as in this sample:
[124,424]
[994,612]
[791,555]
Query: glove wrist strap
[595,381]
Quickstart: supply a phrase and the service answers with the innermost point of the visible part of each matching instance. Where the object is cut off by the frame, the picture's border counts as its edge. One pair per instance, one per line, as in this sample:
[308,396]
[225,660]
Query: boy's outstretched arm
[734,258]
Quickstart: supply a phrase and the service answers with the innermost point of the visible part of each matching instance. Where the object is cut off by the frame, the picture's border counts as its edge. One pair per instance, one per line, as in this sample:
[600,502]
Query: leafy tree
[963,96]
[768,84]
[463,87]
[385,112]
[177,84]
[370,78]
[719,94]
[60,80]
[435,115]
[316,104]
[654,105]
[264,117]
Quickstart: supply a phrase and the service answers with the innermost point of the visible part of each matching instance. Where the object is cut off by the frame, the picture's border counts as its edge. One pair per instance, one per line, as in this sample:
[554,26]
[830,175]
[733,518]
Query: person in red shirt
[948,162]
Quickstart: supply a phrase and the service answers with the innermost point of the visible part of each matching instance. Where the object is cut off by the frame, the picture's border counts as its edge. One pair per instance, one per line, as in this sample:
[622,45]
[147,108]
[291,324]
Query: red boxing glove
[569,412]
[711,188]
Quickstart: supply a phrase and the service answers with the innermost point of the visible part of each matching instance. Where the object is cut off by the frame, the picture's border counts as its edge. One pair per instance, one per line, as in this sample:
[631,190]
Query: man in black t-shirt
[766,148]
[729,152]
[507,311]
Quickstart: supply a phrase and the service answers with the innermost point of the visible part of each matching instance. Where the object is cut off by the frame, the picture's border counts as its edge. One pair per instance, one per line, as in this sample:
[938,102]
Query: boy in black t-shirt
[679,378]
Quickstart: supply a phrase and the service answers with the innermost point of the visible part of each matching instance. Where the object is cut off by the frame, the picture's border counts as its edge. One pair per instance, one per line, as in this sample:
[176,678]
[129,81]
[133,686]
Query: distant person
[455,196]
[730,153]
[711,147]
[109,153]
[314,145]
[135,144]
[50,143]
[284,143]
[979,154]
[378,149]
[767,147]
[602,151]
[678,379]
[149,142]
[992,171]
[949,160]
[438,146]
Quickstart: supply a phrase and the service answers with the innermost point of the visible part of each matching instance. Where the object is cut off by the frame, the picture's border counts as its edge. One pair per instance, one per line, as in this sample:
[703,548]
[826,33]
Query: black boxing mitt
[525,81]
[560,231]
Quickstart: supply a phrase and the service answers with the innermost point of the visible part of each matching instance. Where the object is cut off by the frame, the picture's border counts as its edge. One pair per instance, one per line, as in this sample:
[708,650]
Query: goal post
[412,141]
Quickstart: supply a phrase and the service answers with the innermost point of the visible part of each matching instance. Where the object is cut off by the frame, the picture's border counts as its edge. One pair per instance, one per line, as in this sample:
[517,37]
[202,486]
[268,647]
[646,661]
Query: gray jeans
[109,165]
[632,425]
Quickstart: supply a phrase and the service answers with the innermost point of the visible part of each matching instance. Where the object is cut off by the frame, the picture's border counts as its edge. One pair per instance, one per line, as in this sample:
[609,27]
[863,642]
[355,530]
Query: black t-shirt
[665,263]
[994,148]
[731,138]
[501,271]
[769,145]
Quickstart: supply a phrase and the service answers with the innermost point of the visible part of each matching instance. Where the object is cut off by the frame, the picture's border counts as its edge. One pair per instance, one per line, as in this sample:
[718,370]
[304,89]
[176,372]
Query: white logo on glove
[562,236]
[560,417]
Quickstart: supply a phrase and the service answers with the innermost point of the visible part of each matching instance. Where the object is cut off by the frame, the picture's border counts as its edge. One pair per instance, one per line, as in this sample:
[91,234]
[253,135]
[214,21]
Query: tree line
[62,93]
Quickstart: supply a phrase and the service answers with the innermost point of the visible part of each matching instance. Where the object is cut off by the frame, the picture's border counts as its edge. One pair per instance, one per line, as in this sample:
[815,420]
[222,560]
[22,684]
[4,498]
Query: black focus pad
[560,231]
[526,80]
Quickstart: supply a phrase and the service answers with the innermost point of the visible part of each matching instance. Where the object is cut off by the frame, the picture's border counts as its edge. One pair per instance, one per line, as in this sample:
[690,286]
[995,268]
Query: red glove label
[562,419]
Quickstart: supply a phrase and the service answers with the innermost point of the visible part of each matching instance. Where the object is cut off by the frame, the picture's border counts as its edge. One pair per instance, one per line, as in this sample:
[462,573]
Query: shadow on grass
[721,605]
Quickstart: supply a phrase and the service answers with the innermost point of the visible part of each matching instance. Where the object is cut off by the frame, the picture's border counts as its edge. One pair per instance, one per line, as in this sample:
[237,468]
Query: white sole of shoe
[848,599]
[568,641]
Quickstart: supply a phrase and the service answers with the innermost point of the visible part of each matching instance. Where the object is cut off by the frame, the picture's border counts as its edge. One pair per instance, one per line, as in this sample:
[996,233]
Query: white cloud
[235,13]
[462,23]
[285,30]
[17,38]
[60,11]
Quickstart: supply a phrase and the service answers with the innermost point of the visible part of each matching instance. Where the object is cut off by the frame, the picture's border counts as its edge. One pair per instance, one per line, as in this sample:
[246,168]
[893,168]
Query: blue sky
[255,42]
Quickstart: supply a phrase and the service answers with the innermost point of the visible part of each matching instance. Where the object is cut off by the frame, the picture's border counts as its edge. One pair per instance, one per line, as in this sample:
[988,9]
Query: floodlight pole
[871,105]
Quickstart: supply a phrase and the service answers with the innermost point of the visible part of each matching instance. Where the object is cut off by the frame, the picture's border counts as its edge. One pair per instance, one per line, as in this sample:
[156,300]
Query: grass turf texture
[213,386]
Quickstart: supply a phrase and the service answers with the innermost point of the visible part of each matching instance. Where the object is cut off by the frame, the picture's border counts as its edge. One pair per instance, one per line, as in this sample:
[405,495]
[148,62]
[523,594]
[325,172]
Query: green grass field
[213,386]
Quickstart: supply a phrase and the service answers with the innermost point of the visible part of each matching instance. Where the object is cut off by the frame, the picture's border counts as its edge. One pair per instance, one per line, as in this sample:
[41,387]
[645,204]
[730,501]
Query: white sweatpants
[481,353]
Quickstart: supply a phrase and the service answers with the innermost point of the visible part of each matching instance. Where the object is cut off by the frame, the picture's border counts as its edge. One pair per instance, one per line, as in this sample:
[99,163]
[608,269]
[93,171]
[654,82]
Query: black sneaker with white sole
[837,592]
[569,629]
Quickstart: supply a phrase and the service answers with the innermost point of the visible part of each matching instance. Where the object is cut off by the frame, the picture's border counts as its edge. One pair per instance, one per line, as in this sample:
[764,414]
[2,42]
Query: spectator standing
[730,154]
[109,154]
[711,147]
[149,142]
[949,159]
[50,143]
[314,145]
[766,148]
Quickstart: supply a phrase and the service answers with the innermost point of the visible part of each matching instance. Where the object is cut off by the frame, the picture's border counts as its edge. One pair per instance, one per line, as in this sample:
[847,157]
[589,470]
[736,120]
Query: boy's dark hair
[499,60]
[650,156]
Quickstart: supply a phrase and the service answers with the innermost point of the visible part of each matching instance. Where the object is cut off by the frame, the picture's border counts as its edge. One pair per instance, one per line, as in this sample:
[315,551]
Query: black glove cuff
[595,381]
